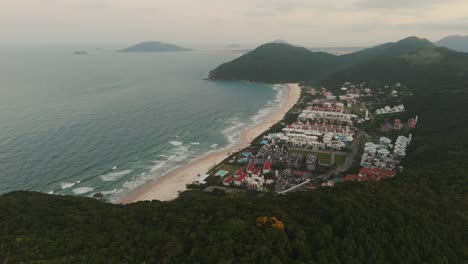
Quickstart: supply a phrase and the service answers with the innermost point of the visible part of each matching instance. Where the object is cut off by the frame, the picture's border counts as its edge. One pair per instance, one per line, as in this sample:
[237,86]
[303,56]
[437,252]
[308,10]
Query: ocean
[108,122]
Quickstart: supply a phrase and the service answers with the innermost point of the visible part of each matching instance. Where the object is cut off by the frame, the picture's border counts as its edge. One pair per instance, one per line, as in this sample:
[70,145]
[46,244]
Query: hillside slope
[279,63]
[276,62]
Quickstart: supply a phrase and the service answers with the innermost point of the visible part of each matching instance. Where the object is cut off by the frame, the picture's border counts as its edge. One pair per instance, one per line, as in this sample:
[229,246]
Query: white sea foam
[195,143]
[160,163]
[109,192]
[82,190]
[214,145]
[66,185]
[113,176]
[233,132]
[271,105]
[175,143]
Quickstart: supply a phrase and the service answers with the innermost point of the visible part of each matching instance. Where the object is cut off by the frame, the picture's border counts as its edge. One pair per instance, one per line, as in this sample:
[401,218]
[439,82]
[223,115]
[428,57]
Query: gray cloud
[398,4]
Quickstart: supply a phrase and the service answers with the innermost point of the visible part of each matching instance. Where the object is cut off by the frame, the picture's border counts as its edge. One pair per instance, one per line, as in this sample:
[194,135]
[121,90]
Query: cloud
[398,4]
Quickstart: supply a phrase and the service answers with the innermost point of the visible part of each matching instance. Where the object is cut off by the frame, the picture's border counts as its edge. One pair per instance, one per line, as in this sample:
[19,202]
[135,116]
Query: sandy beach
[168,186]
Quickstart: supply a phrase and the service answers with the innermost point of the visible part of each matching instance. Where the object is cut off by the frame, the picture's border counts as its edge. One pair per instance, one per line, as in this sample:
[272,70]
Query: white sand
[168,186]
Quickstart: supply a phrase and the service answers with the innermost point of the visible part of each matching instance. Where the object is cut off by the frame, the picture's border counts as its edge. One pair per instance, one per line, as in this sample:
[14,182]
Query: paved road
[354,149]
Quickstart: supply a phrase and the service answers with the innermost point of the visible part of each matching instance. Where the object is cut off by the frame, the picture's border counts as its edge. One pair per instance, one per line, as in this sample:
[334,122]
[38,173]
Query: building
[255,183]
[397,124]
[267,167]
[312,162]
[412,123]
[370,174]
[251,168]
[313,114]
[318,137]
[240,179]
[256,173]
[390,110]
[228,181]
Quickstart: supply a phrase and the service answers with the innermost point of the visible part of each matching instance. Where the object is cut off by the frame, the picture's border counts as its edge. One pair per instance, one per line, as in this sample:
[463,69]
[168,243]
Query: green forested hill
[279,63]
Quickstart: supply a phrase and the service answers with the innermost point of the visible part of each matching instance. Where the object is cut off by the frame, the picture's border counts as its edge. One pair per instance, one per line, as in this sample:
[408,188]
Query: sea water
[109,122]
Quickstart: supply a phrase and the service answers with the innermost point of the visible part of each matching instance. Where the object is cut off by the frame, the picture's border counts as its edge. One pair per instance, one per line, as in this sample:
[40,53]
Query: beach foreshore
[168,186]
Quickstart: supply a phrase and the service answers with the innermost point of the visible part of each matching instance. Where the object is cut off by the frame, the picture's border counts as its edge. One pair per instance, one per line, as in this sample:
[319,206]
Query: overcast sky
[305,22]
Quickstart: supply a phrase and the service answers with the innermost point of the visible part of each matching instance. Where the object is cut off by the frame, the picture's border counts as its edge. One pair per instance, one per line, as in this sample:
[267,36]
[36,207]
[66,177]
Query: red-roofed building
[370,174]
[250,168]
[239,180]
[256,172]
[351,177]
[228,181]
[239,172]
[412,123]
[267,167]
[397,124]
[375,174]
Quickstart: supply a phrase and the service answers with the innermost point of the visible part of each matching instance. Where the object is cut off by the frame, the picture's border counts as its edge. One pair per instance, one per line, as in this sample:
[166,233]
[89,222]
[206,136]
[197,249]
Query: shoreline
[168,186]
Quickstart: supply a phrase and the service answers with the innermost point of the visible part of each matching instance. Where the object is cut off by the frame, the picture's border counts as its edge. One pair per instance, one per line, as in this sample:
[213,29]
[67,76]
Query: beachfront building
[267,167]
[228,181]
[250,168]
[317,136]
[312,114]
[240,177]
[390,110]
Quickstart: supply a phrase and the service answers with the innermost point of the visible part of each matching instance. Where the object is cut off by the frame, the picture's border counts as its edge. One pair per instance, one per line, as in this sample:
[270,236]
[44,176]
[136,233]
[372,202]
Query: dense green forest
[410,58]
[420,216]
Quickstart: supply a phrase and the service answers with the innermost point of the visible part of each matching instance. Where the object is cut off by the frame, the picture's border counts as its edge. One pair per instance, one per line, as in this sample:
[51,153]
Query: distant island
[154,46]
[456,42]
[80,52]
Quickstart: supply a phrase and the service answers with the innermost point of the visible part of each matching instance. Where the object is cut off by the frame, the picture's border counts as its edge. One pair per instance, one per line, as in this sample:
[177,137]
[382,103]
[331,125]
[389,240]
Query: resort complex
[329,137]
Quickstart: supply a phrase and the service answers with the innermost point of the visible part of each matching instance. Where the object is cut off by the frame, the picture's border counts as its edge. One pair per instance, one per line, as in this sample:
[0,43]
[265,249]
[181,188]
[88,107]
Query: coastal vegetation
[420,216]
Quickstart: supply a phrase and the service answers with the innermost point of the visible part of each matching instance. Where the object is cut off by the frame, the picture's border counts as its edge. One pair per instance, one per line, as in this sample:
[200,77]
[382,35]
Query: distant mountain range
[406,59]
[154,46]
[456,42]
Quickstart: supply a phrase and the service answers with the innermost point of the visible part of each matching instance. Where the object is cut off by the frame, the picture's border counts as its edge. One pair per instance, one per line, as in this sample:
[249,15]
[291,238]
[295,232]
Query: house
[267,167]
[228,181]
[375,173]
[412,123]
[370,174]
[241,179]
[351,177]
[251,168]
[256,172]
[397,124]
